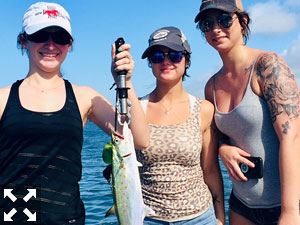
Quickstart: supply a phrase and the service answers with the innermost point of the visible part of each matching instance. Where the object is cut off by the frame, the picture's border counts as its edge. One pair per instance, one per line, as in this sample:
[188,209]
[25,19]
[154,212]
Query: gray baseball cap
[225,5]
[170,37]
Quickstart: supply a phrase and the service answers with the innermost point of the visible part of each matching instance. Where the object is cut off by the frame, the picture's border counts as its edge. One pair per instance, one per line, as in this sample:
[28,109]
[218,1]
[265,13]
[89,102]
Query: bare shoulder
[275,76]
[86,93]
[209,86]
[209,90]
[270,64]
[91,103]
[88,97]
[84,90]
[4,92]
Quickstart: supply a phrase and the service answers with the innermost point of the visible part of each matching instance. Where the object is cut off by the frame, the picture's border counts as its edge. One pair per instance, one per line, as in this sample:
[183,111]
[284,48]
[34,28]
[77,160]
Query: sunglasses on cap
[224,20]
[61,37]
[159,57]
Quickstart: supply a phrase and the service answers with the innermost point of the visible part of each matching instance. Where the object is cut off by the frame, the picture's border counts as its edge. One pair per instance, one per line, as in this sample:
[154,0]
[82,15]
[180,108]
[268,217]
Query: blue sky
[96,24]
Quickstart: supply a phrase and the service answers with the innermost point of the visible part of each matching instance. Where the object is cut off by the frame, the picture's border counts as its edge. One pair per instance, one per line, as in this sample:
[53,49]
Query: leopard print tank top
[171,176]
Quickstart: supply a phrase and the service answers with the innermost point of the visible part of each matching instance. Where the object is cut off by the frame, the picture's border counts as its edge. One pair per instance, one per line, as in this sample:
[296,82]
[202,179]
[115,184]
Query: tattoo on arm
[285,127]
[248,70]
[280,88]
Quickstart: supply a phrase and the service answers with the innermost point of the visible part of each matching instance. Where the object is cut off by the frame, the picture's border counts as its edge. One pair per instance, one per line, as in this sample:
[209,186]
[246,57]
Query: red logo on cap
[51,12]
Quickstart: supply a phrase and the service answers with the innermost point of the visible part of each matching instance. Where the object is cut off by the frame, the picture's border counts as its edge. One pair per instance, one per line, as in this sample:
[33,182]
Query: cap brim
[224,8]
[174,47]
[41,26]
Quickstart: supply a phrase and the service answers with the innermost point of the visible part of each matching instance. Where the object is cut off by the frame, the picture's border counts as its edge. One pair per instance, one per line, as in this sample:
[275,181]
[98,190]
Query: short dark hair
[245,24]
[187,56]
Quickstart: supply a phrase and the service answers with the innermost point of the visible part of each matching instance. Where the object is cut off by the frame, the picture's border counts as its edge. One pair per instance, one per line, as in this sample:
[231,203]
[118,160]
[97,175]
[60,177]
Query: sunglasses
[207,24]
[159,57]
[59,37]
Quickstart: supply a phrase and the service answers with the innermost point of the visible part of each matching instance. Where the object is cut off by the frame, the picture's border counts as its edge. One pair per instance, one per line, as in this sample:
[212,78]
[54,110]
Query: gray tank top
[249,127]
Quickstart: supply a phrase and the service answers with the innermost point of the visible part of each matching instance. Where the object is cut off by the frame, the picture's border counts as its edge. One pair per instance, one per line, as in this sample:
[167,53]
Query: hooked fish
[128,205]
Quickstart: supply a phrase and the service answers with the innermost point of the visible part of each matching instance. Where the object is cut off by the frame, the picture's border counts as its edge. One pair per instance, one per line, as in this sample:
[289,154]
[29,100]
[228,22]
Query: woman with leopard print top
[180,176]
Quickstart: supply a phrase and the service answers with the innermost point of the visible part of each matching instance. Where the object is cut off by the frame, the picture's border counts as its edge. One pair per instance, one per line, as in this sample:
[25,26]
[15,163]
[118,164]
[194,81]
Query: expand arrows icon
[8,193]
[8,216]
[31,216]
[31,193]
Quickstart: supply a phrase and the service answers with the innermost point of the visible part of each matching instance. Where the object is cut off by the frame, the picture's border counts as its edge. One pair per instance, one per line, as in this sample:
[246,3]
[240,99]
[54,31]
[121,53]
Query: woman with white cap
[257,107]
[42,121]
[180,174]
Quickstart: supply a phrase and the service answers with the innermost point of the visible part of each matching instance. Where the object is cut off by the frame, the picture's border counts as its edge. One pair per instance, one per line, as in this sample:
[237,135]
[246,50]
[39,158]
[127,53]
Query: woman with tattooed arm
[257,112]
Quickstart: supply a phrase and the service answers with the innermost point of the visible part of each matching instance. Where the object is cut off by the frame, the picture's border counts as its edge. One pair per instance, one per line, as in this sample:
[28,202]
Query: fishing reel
[120,115]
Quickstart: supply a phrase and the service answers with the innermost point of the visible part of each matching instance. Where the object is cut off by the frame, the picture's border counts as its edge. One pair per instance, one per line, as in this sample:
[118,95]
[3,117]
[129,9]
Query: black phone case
[253,173]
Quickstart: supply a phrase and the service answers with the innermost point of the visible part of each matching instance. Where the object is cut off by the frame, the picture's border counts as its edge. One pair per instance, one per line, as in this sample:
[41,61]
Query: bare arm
[209,160]
[280,90]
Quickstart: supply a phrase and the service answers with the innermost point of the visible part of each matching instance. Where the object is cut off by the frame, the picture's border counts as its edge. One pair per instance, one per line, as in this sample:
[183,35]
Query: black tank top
[42,151]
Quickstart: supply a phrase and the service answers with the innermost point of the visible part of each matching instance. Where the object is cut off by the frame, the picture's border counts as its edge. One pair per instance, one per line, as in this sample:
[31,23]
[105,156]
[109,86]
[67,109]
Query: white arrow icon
[31,216]
[7,193]
[8,216]
[31,193]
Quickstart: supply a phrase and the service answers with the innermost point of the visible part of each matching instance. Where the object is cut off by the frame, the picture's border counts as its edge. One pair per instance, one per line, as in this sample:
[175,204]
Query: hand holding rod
[122,90]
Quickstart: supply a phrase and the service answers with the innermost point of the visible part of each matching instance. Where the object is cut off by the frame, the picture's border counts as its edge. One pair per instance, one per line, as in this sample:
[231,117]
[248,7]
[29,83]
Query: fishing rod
[122,101]
[122,106]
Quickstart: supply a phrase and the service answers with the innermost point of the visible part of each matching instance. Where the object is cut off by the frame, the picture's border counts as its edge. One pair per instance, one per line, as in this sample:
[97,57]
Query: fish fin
[148,211]
[111,211]
[107,173]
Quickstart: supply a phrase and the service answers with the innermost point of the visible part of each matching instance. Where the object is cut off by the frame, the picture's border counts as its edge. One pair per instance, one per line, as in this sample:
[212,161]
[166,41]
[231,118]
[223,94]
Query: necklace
[168,110]
[46,89]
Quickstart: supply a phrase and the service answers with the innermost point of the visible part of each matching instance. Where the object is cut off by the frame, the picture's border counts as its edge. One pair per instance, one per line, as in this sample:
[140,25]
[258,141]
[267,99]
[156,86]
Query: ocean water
[95,191]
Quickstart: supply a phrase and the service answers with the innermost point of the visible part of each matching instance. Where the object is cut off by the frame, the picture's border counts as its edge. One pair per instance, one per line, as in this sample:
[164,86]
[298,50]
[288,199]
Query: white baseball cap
[45,14]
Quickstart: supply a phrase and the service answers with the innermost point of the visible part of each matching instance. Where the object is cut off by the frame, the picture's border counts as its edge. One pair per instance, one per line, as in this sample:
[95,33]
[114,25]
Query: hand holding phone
[253,173]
